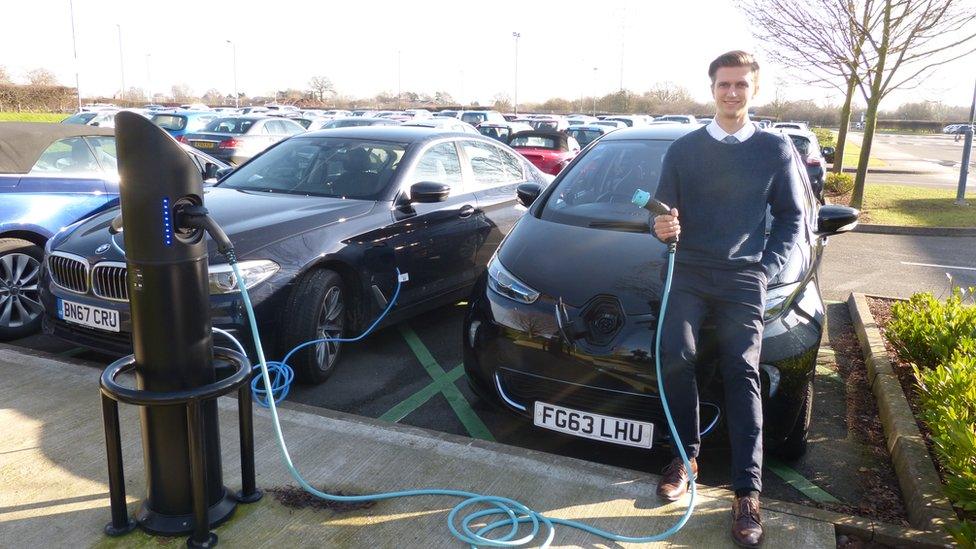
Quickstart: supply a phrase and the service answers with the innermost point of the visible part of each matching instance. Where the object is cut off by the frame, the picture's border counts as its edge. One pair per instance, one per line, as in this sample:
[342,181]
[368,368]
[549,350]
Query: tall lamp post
[74,45]
[516,35]
[149,79]
[233,48]
[967,151]
[594,91]
[121,64]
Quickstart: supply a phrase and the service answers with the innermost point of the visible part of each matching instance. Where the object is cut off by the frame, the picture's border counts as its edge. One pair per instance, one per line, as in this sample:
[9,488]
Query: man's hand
[666,226]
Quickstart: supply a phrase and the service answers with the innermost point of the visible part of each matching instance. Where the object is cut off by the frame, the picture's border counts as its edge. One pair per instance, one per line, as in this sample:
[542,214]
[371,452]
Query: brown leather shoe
[674,479]
[747,530]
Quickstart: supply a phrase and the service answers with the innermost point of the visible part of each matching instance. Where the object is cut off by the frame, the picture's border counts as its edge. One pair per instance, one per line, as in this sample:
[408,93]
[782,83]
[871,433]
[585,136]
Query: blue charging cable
[512,513]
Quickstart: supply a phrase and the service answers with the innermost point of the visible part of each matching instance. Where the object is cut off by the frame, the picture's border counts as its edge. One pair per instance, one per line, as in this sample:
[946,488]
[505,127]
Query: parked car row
[450,196]
[319,219]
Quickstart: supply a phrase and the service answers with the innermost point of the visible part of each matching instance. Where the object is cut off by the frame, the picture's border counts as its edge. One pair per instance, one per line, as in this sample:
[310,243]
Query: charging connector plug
[198,217]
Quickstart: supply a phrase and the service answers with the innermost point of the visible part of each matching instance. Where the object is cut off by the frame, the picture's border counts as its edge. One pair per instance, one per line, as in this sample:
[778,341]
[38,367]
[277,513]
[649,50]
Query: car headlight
[779,298]
[505,283]
[224,281]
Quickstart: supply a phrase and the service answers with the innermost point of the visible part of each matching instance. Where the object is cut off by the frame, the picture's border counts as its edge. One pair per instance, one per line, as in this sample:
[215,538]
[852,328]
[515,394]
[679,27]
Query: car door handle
[466,211]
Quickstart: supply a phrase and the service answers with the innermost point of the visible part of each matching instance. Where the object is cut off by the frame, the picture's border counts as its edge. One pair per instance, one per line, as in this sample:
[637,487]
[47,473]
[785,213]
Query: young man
[721,178]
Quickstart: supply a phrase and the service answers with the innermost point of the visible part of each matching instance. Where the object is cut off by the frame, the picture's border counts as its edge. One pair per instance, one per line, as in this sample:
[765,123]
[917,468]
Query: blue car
[51,175]
[179,123]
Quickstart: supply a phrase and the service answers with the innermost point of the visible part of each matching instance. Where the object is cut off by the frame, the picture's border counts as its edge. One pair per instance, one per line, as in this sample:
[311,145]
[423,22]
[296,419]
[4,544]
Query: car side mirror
[210,171]
[94,124]
[836,219]
[429,192]
[221,172]
[526,193]
[828,154]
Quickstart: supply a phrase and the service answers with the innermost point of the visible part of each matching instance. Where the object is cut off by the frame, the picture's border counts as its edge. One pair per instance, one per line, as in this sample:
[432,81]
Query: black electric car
[561,327]
[319,222]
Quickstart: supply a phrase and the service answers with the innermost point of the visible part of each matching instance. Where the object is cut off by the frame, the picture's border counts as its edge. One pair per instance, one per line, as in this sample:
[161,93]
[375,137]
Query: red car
[548,151]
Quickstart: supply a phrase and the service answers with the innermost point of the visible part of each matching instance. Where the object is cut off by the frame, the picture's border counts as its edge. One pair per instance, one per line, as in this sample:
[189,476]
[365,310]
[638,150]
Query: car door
[495,173]
[435,244]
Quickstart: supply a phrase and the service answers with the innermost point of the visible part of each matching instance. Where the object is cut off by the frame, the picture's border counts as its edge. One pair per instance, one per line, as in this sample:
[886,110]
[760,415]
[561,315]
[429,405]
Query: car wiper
[627,226]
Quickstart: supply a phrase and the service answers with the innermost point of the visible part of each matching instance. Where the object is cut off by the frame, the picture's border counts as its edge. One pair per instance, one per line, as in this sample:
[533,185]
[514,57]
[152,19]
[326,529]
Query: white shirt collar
[719,134]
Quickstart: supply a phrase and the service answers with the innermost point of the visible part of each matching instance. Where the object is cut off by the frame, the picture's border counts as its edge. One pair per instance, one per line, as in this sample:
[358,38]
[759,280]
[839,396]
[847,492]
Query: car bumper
[226,313]
[515,356]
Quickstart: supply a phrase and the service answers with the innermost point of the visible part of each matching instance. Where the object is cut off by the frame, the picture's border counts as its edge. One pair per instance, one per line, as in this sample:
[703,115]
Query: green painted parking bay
[53,488]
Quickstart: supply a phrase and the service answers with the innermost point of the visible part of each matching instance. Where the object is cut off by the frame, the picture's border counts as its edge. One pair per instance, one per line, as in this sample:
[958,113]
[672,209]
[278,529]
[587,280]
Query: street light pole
[74,45]
[233,48]
[149,80]
[121,64]
[517,35]
[398,80]
[594,91]
[967,151]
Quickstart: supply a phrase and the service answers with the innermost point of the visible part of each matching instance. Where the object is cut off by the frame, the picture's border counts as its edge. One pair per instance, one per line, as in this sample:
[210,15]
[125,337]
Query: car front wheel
[315,310]
[795,444]
[20,303]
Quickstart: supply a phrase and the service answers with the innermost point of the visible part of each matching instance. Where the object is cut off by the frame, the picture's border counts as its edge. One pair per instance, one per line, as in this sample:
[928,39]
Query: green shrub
[940,338]
[838,183]
[827,138]
[928,332]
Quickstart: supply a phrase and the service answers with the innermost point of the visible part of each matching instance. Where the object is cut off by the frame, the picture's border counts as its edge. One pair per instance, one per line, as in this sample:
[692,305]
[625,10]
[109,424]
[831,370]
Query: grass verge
[852,153]
[32,116]
[905,205]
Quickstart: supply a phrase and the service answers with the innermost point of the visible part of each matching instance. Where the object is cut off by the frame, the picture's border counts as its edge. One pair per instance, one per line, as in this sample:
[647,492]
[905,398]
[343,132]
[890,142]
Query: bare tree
[41,77]
[213,96]
[5,76]
[905,41]
[181,93]
[818,39]
[321,85]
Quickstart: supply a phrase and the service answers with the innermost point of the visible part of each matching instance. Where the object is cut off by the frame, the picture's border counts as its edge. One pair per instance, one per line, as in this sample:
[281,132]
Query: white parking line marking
[939,266]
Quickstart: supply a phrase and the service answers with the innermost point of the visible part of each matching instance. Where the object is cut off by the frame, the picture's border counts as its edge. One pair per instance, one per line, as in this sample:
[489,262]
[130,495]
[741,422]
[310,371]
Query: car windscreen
[80,118]
[597,191]
[171,122]
[535,141]
[230,125]
[584,137]
[322,166]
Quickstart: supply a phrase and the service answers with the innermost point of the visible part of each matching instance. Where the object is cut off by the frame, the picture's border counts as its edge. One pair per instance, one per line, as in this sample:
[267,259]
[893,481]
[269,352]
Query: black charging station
[178,372]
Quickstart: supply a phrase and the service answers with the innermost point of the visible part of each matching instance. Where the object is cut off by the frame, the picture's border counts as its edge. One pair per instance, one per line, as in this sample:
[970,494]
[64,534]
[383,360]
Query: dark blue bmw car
[561,327]
[319,222]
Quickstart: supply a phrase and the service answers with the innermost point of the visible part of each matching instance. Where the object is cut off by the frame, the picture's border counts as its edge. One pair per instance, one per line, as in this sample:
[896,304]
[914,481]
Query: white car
[792,126]
[679,118]
[442,123]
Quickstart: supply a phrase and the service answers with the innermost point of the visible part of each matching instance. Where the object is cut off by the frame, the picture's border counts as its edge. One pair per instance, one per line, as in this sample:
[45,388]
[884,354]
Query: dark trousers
[735,300]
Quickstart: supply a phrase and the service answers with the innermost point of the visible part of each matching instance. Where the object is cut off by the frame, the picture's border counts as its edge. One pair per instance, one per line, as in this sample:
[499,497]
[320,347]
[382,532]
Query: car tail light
[229,144]
[181,138]
[811,161]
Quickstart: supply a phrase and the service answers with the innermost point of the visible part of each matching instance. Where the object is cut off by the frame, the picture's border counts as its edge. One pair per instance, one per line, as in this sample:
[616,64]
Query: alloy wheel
[329,325]
[20,301]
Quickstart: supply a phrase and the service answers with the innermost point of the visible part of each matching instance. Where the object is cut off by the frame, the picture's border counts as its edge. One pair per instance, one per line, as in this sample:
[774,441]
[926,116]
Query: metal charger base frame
[203,517]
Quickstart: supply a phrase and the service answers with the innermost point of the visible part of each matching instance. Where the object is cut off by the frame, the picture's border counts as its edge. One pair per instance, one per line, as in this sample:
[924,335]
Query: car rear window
[473,118]
[230,125]
[536,141]
[802,144]
[172,122]
[597,190]
[584,137]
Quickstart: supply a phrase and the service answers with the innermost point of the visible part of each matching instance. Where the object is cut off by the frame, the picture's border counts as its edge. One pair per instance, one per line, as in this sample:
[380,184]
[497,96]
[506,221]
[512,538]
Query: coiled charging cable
[512,513]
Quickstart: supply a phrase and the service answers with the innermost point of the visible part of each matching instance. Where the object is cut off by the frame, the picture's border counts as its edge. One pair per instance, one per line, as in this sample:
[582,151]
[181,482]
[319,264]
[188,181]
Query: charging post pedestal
[175,364]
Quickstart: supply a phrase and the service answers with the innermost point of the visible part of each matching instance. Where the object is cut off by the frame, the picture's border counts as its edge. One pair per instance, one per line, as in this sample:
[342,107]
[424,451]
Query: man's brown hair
[735,58]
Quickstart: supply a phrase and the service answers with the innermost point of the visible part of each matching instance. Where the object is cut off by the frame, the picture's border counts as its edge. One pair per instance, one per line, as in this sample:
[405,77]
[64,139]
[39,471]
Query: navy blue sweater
[722,191]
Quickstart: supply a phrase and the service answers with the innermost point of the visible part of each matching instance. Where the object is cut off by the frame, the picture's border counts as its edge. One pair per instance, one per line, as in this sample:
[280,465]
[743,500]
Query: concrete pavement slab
[54,490]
